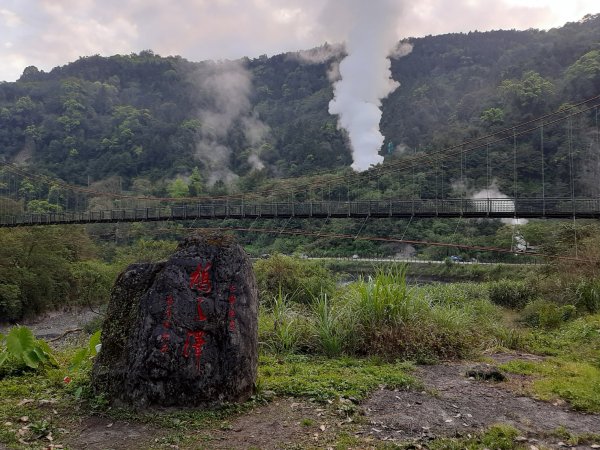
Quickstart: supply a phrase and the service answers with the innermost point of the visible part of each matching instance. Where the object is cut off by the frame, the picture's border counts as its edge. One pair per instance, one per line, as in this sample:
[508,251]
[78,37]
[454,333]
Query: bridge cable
[406,229]
[572,179]
[361,227]
[543,171]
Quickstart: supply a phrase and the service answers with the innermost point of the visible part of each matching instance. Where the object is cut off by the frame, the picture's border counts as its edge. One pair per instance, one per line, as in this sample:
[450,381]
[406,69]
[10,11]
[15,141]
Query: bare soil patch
[453,405]
[97,433]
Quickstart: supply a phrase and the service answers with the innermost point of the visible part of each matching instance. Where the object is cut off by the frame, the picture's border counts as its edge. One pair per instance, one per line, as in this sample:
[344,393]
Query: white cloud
[46,33]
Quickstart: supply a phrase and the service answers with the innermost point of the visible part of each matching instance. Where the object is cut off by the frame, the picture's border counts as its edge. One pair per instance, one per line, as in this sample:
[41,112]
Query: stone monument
[182,332]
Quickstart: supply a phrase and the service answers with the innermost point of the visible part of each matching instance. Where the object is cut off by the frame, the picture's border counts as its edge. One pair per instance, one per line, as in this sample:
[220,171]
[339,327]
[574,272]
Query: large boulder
[182,332]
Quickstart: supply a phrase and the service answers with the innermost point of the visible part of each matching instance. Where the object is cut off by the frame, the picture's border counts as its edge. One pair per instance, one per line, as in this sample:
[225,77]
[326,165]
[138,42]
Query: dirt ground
[449,405]
[453,405]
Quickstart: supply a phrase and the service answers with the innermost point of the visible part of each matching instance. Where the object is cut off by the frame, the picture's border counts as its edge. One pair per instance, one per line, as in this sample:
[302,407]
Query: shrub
[587,296]
[511,294]
[545,314]
[298,280]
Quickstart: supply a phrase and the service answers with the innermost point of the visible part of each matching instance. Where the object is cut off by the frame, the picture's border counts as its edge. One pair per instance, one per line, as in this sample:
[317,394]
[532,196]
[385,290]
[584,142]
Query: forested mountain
[145,117]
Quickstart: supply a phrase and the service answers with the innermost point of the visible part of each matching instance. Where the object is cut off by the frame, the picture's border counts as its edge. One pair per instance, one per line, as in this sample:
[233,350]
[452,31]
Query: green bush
[587,296]
[511,293]
[11,307]
[298,280]
[546,314]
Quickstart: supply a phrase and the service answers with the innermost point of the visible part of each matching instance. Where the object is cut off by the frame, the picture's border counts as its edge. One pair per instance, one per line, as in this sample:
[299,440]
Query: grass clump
[383,316]
[511,293]
[329,378]
[573,371]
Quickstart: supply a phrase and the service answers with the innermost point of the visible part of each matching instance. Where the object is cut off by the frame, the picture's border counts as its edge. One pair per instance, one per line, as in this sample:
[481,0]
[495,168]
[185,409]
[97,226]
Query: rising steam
[365,75]
[225,88]
[494,193]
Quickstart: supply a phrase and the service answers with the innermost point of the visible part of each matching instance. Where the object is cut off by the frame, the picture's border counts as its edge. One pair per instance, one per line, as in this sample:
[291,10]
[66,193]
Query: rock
[182,332]
[485,372]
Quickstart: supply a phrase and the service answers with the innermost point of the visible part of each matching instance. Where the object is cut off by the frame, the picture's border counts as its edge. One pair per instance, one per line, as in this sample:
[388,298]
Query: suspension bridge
[547,167]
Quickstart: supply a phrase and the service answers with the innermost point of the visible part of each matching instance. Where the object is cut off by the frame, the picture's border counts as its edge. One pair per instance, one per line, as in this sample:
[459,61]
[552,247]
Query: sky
[48,33]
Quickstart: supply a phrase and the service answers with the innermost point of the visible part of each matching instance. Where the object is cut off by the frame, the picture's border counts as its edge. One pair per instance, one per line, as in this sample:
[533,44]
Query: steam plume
[492,191]
[225,88]
[365,75]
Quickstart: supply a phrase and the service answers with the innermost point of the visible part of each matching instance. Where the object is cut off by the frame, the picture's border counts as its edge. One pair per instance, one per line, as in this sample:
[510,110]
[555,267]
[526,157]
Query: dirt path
[453,405]
[55,323]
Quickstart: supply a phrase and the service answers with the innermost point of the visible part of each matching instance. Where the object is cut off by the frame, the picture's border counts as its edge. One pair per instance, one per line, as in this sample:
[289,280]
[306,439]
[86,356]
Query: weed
[307,422]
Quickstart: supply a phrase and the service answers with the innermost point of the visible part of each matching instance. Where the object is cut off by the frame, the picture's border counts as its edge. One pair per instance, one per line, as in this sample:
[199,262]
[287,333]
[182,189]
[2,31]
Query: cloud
[47,33]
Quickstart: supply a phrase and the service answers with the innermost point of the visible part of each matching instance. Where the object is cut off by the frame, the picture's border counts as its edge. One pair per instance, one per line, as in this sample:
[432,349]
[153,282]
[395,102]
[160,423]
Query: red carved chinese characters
[201,317]
[200,278]
[197,346]
[231,313]
[165,336]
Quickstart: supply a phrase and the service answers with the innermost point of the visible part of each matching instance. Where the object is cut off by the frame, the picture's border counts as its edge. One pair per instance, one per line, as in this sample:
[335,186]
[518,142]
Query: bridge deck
[418,208]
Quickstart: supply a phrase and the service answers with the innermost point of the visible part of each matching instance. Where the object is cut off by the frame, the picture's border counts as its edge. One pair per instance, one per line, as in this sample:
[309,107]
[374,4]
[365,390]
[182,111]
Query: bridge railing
[499,208]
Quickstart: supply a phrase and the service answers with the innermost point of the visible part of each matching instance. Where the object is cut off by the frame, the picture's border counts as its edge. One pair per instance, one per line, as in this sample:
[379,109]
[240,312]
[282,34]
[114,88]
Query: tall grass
[383,316]
[330,326]
[282,326]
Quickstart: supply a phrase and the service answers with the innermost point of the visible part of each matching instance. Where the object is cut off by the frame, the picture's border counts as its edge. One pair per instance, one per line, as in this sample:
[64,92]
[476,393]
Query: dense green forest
[147,117]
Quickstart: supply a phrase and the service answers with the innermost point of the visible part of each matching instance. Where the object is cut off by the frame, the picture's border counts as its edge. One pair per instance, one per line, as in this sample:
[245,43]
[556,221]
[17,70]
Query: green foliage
[178,188]
[21,348]
[573,371]
[144,250]
[511,293]
[331,378]
[576,382]
[546,314]
[382,316]
[36,269]
[282,328]
[492,116]
[85,354]
[329,326]
[297,280]
[587,295]
[92,281]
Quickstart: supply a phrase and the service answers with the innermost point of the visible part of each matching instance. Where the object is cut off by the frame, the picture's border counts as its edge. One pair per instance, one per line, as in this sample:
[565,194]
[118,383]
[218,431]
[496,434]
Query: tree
[195,183]
[583,77]
[530,94]
[178,188]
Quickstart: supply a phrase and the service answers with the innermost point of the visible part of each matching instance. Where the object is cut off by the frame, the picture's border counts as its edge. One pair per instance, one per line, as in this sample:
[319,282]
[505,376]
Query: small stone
[448,420]
[595,446]
[485,372]
[562,444]
[520,439]
[24,419]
